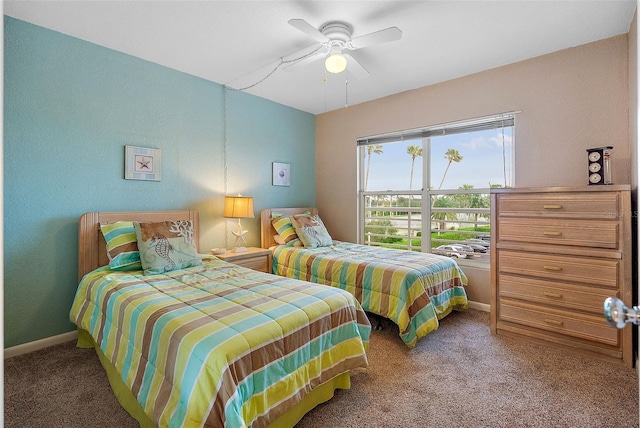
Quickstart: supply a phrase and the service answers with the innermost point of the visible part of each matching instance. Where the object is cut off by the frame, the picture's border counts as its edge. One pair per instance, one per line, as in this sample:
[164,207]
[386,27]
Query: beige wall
[570,100]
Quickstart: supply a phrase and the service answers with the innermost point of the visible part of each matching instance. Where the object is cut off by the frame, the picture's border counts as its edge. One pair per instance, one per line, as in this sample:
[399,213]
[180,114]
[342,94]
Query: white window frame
[424,134]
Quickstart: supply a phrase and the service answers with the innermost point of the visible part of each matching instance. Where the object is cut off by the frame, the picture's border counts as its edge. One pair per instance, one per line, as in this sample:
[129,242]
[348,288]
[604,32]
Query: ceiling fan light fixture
[335,63]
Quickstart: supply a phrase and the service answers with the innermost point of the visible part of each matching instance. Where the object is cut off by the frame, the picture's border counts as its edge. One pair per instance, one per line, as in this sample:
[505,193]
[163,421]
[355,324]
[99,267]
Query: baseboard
[36,345]
[480,306]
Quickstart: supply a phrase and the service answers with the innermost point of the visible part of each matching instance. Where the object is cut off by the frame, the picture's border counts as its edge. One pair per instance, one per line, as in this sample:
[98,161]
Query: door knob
[618,315]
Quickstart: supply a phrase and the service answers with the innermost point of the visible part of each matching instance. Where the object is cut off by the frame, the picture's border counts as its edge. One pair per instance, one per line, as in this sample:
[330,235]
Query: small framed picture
[142,163]
[281,174]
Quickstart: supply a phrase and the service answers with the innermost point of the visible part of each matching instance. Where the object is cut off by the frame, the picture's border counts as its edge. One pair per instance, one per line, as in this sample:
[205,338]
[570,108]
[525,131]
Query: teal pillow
[166,246]
[122,245]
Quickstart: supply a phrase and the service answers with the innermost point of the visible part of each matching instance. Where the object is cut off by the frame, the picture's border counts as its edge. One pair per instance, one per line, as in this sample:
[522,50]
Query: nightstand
[254,258]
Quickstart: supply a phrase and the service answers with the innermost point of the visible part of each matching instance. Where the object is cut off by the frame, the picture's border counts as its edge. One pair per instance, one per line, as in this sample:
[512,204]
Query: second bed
[414,290]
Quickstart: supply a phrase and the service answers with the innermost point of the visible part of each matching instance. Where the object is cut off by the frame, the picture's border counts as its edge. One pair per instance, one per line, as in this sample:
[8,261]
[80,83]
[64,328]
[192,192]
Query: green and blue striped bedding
[218,344]
[412,289]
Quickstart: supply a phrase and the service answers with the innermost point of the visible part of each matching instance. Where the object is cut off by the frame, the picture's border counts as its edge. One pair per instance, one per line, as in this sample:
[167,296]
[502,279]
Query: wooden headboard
[92,248]
[266,228]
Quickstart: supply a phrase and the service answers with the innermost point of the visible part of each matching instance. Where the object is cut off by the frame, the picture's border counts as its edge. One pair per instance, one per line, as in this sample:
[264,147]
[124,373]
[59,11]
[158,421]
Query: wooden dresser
[556,254]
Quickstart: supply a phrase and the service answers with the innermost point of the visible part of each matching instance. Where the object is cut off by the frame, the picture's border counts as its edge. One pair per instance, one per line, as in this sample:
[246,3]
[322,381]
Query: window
[451,166]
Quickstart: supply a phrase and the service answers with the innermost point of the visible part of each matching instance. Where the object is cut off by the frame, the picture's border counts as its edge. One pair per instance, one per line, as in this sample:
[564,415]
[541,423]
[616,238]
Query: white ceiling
[238,43]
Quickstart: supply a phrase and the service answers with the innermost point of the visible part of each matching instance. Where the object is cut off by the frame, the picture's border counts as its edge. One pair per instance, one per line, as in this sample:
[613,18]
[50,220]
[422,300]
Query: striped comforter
[412,289]
[220,345]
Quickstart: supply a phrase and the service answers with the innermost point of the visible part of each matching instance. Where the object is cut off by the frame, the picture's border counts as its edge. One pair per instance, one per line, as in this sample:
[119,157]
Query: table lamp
[239,207]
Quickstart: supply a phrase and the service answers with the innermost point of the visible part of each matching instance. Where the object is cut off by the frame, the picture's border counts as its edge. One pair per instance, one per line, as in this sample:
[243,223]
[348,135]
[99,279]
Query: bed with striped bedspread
[412,289]
[220,345]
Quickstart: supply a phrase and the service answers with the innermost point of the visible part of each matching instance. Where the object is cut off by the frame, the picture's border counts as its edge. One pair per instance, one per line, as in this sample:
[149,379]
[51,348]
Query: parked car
[463,247]
[455,251]
[477,241]
[477,248]
[469,249]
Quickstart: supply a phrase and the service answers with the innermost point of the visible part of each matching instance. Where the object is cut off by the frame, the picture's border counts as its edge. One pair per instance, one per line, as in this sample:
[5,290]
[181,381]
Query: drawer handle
[552,207]
[553,322]
[546,233]
[554,295]
[553,268]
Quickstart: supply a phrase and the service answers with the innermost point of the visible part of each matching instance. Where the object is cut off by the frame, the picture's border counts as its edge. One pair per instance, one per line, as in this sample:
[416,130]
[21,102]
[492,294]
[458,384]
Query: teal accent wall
[70,107]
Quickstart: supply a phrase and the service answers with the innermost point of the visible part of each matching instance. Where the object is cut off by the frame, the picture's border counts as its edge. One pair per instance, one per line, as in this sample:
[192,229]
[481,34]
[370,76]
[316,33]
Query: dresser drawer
[589,271]
[579,233]
[591,206]
[552,293]
[581,326]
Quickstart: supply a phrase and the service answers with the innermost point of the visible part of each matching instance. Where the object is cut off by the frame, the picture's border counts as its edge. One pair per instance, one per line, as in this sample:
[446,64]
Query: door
[614,310]
[619,315]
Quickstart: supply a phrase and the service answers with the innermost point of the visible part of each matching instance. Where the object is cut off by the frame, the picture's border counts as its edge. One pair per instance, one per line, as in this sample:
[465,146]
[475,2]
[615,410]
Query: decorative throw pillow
[166,246]
[311,231]
[122,245]
[282,225]
[295,243]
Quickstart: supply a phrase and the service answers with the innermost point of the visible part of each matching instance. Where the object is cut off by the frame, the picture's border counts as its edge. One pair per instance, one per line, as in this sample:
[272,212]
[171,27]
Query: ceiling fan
[335,43]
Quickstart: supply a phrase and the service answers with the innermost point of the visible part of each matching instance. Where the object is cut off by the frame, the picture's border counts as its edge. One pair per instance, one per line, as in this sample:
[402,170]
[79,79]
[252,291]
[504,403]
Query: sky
[481,162]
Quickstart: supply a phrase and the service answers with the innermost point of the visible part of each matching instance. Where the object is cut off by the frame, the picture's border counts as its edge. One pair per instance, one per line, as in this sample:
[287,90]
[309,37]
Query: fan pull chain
[325,93]
[346,93]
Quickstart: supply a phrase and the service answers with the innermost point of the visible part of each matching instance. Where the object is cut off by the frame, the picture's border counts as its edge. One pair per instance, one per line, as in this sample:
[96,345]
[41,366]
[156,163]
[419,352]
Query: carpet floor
[459,375]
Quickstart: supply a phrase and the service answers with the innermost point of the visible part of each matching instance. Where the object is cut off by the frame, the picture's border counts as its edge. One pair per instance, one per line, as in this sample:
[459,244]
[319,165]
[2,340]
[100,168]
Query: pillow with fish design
[166,246]
[311,231]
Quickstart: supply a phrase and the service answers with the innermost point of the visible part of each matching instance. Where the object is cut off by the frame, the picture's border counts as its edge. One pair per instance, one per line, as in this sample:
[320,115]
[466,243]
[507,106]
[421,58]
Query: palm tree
[452,155]
[373,148]
[463,199]
[441,217]
[472,200]
[413,151]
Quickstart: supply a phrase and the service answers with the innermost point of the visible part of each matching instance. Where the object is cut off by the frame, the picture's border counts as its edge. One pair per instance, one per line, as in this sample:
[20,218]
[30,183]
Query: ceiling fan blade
[308,29]
[387,35]
[354,67]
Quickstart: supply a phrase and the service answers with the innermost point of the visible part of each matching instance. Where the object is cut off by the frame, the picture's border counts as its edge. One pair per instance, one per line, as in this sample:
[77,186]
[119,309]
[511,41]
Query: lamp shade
[335,63]
[238,207]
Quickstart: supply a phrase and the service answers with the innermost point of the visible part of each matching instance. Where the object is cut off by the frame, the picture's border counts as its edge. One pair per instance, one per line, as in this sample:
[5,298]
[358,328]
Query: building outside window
[451,167]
